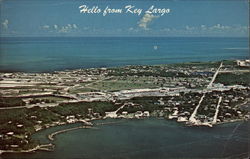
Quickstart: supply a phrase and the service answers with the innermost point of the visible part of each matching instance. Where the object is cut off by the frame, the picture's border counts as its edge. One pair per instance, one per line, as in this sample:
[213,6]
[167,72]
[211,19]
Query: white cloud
[203,27]
[189,28]
[55,27]
[69,26]
[46,27]
[145,20]
[5,24]
[166,29]
[131,29]
[64,29]
[220,27]
[74,26]
[207,30]
[60,29]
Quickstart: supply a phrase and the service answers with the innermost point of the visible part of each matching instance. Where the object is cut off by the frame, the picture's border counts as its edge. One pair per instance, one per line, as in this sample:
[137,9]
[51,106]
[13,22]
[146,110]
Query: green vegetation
[81,108]
[30,118]
[232,79]
[9,119]
[143,104]
[82,90]
[11,102]
[121,85]
[24,122]
[47,99]
[197,64]
[156,73]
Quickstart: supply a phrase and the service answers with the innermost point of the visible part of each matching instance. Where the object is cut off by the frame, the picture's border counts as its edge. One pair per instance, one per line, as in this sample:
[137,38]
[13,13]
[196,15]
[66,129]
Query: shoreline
[51,146]
[89,124]
[42,147]
[118,66]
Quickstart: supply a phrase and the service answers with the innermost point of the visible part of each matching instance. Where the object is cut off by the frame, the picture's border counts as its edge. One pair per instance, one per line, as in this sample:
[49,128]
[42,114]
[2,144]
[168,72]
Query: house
[19,125]
[146,114]
[10,133]
[138,114]
[124,113]
[228,115]
[182,119]
[243,63]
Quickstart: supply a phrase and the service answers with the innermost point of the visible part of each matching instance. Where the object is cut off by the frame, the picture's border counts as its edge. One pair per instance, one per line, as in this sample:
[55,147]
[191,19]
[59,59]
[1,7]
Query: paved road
[217,111]
[215,75]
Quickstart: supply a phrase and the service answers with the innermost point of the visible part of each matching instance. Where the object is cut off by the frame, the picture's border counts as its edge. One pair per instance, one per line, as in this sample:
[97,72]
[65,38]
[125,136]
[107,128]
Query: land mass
[195,94]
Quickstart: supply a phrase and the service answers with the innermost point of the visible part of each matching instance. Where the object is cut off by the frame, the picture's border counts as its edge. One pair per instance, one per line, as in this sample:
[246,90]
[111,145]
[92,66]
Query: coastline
[43,147]
[51,136]
[89,125]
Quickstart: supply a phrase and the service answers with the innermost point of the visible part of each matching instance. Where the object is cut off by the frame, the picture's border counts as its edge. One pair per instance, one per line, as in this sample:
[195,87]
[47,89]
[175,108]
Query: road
[215,75]
[192,117]
[217,111]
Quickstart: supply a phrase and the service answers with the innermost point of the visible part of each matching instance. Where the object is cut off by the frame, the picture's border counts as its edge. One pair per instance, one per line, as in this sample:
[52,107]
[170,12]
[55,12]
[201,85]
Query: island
[194,94]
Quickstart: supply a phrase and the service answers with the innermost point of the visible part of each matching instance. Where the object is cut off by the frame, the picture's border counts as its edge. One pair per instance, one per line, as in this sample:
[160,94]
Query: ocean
[145,139]
[44,54]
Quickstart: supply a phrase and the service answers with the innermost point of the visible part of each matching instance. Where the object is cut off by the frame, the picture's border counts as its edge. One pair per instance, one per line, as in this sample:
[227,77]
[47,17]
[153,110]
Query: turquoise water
[147,139]
[50,54]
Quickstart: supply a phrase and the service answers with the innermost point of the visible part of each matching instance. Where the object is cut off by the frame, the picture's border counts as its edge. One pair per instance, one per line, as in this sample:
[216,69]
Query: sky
[186,18]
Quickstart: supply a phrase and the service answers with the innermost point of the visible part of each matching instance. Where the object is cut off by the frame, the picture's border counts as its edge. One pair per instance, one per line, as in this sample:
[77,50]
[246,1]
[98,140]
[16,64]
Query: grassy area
[11,102]
[82,90]
[52,98]
[125,82]
[196,64]
[155,73]
[232,79]
[121,85]
[81,108]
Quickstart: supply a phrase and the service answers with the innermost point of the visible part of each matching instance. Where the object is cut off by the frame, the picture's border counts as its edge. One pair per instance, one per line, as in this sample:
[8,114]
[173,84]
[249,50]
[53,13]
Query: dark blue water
[50,54]
[146,139]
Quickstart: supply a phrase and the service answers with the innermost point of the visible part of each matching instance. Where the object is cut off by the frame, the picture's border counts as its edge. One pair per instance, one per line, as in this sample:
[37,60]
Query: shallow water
[146,139]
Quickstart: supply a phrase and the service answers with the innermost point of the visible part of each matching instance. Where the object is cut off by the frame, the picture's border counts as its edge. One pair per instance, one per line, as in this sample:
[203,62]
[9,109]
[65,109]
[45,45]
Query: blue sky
[63,18]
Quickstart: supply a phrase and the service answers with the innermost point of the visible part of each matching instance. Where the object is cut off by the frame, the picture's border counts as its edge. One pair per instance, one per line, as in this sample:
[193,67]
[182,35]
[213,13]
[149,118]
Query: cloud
[203,27]
[189,28]
[130,29]
[68,28]
[166,29]
[55,27]
[207,30]
[5,24]
[46,27]
[219,27]
[133,30]
[75,26]
[60,29]
[145,20]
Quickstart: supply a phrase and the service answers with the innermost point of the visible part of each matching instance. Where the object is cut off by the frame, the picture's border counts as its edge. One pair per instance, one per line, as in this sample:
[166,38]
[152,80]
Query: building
[243,63]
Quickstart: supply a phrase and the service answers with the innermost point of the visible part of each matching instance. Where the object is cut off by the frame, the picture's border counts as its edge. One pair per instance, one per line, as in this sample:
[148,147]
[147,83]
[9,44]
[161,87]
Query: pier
[51,136]
[192,119]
